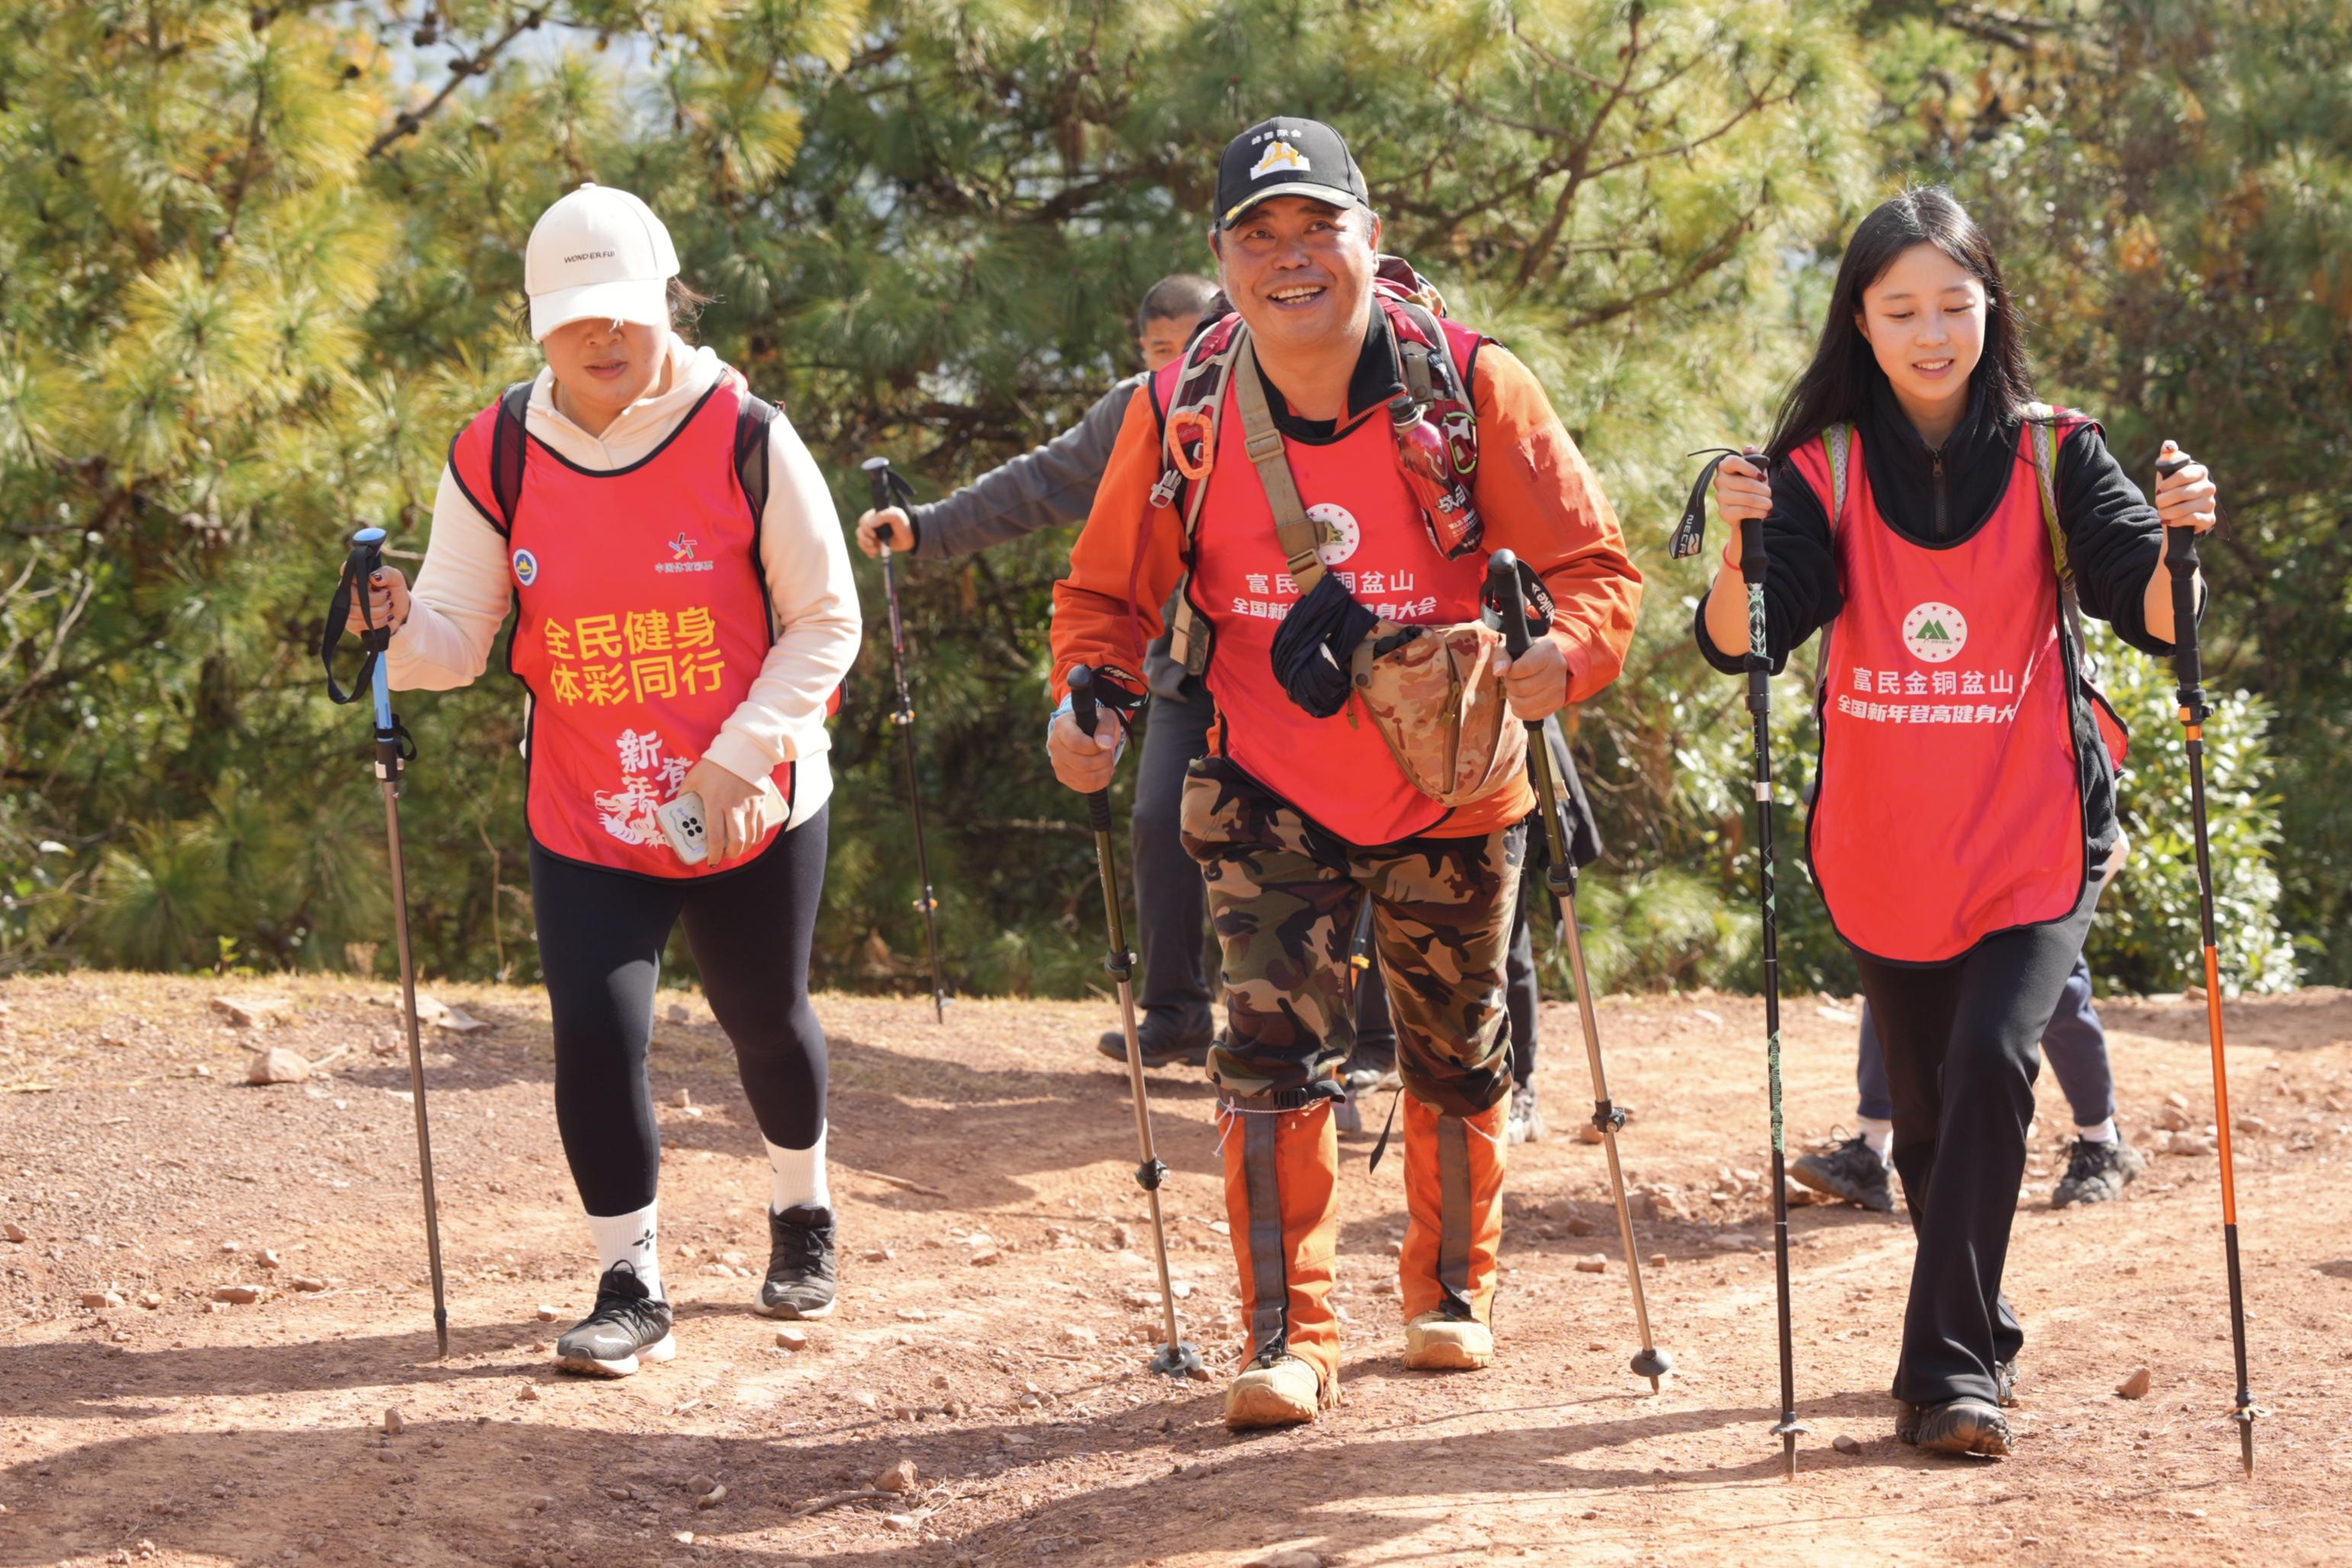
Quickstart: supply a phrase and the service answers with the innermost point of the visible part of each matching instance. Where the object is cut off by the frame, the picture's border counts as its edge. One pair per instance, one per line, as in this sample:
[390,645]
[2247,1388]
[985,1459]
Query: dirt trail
[997,1281]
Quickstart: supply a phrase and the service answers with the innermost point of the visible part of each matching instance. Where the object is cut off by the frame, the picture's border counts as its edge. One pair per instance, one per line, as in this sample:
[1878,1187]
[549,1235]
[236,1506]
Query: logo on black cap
[1286,158]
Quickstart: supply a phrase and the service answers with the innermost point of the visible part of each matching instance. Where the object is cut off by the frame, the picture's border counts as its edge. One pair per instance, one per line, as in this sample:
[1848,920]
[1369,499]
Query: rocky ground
[214,1298]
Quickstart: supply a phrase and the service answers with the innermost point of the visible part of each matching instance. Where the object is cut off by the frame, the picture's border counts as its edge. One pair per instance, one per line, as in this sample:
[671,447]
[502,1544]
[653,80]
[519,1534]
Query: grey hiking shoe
[627,1328]
[2097,1173]
[1526,1124]
[1851,1170]
[802,1269]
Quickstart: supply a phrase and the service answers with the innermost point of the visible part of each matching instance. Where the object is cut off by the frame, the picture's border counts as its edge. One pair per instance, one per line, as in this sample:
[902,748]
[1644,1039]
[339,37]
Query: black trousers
[601,935]
[1172,905]
[1963,1047]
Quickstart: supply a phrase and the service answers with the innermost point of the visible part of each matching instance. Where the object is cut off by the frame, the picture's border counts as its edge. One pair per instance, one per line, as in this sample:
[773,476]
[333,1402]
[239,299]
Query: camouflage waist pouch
[1434,697]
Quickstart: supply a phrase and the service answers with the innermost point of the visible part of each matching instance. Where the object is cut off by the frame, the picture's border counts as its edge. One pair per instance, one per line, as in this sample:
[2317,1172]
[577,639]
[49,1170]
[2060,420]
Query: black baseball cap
[1287,157]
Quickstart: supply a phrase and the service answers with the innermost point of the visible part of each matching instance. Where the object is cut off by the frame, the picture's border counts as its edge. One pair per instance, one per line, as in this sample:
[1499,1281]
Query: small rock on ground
[277,1065]
[791,1339]
[899,1478]
[1598,1263]
[393,1424]
[2136,1385]
[1286,1557]
[1845,1445]
[240,1295]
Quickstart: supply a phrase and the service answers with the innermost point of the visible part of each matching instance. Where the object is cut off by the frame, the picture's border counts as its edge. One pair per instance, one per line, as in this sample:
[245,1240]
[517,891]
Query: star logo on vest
[681,556]
[1339,530]
[1279,155]
[525,567]
[1935,632]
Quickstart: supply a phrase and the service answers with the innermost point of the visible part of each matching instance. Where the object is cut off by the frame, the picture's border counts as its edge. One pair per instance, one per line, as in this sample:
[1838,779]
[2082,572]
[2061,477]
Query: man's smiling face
[1300,272]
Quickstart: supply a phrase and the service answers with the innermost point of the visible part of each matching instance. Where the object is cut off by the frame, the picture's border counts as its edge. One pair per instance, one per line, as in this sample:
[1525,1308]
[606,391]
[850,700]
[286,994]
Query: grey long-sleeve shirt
[1053,484]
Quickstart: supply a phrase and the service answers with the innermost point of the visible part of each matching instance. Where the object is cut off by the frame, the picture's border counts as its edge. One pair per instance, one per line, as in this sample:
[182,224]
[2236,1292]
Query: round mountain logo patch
[1345,535]
[1935,632]
[525,567]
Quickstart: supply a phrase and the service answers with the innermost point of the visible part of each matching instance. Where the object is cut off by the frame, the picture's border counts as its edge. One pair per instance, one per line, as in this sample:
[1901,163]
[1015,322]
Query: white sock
[1878,1135]
[630,1238]
[797,1177]
[2105,1133]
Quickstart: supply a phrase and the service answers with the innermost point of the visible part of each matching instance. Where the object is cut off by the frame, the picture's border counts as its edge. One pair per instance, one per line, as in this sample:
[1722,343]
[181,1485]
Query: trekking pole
[392,747]
[1687,538]
[1560,881]
[890,490]
[1175,1358]
[2180,556]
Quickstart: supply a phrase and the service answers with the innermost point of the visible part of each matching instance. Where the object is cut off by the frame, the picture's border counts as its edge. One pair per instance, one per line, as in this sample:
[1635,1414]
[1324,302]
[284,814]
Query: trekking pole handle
[367,559]
[878,479]
[1088,712]
[2181,559]
[1752,559]
[1511,600]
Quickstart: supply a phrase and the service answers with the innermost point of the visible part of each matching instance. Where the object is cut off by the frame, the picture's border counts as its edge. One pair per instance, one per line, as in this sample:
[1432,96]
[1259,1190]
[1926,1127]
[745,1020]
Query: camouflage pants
[1283,898]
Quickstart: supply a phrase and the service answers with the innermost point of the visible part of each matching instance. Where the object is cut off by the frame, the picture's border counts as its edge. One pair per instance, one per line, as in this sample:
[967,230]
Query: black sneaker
[2097,1173]
[802,1270]
[1964,1425]
[1851,1170]
[1527,1123]
[627,1328]
[1158,1048]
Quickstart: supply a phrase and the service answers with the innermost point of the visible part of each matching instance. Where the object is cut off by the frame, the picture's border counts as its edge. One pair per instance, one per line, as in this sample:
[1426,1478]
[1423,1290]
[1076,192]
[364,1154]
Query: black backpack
[752,419]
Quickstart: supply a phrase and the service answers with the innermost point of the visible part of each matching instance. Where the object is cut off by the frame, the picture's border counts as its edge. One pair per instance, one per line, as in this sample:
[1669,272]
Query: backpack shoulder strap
[1839,440]
[509,441]
[1262,442]
[753,418]
[1417,359]
[2042,450]
[1188,450]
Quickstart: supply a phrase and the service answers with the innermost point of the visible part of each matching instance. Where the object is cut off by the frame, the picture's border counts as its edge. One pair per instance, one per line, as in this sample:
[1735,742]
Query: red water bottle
[1422,458]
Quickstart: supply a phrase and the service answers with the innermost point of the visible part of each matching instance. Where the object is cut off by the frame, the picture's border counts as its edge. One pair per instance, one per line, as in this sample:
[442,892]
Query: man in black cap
[1326,472]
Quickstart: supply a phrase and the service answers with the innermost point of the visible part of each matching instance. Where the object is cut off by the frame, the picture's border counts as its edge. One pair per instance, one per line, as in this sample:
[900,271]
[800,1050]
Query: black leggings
[1963,1044]
[601,935]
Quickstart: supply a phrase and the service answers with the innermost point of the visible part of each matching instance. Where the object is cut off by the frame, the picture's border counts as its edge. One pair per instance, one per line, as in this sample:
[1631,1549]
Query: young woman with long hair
[1932,522]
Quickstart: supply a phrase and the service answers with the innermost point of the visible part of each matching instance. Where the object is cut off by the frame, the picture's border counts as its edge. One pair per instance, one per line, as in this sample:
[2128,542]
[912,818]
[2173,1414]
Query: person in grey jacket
[1055,482]
[1046,487]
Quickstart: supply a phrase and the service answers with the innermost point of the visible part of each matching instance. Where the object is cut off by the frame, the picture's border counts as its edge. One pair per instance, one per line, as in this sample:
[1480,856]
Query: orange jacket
[1534,489]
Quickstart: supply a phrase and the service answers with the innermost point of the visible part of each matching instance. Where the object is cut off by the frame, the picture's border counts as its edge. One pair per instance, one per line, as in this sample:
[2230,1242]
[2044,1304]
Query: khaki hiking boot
[1435,1342]
[1280,1391]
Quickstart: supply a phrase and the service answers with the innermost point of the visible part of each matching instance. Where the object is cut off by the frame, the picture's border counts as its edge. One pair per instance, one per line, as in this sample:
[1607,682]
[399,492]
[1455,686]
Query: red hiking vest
[1950,804]
[643,620]
[1337,771]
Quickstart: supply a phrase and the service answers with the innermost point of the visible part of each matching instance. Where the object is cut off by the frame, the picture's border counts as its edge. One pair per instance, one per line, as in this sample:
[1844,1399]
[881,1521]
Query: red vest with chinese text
[643,620]
[1337,771]
[1950,801]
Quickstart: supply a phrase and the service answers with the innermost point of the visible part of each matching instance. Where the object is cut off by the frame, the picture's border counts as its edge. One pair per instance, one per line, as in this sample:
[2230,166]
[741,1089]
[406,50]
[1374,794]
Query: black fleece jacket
[1941,498]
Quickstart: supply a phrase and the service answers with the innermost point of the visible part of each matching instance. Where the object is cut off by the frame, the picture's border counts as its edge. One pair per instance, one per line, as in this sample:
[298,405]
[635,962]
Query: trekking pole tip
[1182,1359]
[1653,1364]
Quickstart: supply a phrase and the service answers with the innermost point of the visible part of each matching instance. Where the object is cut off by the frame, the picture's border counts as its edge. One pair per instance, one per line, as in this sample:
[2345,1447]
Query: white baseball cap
[598,254]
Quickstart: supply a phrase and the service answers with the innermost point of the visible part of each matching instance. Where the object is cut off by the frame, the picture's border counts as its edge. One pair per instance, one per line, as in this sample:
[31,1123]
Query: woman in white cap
[686,614]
